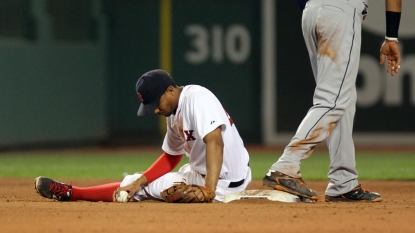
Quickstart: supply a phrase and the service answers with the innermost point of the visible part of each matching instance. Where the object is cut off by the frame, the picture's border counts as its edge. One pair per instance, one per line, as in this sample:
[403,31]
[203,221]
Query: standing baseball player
[332,33]
[197,126]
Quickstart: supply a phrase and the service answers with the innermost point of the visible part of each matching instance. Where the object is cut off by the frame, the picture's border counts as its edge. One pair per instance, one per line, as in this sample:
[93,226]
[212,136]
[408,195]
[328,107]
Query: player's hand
[390,52]
[131,189]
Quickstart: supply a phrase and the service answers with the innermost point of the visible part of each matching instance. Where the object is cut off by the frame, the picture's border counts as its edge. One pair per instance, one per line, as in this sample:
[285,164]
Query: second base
[272,195]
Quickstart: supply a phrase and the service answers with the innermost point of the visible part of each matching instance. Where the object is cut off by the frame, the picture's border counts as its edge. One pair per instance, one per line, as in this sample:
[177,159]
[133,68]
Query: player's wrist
[391,39]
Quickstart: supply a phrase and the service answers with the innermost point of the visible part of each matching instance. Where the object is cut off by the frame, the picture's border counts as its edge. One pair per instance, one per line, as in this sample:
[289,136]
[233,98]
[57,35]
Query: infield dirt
[23,210]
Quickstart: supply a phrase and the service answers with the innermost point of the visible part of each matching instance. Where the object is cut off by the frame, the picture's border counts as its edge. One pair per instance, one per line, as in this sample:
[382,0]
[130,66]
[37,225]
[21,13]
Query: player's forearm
[214,159]
[393,18]
[393,5]
[140,181]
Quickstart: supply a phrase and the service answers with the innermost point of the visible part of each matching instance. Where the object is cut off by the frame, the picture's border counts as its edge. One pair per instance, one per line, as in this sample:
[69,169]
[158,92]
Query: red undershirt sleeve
[164,164]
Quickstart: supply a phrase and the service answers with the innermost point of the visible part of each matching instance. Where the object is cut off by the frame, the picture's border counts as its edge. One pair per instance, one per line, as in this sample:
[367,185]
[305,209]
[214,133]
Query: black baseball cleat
[296,186]
[356,195]
[53,189]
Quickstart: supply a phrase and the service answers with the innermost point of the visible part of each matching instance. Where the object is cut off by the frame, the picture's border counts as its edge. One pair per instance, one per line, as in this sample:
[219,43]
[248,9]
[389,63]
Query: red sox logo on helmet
[140,97]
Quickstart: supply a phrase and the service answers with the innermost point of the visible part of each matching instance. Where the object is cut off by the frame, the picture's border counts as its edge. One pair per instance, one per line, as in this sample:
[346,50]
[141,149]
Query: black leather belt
[236,184]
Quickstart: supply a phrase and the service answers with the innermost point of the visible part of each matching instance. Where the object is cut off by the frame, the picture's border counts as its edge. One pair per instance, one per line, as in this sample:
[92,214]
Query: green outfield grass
[113,165]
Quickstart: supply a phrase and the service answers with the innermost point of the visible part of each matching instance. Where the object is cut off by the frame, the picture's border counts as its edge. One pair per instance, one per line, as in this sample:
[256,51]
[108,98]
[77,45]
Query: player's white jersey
[199,112]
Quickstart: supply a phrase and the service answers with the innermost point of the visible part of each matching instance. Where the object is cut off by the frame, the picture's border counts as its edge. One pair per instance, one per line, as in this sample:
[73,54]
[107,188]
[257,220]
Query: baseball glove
[187,193]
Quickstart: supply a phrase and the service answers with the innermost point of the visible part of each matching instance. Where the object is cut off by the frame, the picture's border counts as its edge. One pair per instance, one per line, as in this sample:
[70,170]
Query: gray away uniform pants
[332,33]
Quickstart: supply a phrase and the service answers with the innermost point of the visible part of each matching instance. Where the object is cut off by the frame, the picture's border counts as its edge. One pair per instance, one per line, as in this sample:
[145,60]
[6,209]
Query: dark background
[69,69]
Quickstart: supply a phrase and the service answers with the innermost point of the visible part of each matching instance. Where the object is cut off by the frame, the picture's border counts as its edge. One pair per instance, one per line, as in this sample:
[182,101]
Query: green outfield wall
[53,74]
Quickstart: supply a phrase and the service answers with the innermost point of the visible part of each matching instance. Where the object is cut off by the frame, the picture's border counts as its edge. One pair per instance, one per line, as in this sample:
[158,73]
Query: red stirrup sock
[95,193]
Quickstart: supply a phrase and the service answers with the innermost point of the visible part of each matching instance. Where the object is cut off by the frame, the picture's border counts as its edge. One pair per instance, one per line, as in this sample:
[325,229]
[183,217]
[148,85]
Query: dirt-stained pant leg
[332,32]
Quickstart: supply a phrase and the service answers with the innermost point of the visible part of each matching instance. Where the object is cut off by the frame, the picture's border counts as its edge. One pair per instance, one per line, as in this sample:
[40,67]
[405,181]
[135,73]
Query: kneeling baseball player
[197,126]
